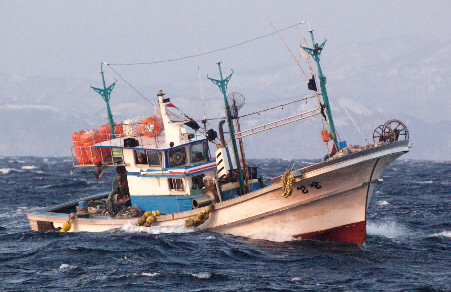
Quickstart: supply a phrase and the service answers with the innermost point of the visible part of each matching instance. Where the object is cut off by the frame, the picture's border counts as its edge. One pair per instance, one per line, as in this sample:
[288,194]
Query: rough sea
[407,247]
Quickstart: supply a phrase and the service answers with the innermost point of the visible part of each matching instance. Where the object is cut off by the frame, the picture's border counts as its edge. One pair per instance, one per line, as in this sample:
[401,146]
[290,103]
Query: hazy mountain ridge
[38,115]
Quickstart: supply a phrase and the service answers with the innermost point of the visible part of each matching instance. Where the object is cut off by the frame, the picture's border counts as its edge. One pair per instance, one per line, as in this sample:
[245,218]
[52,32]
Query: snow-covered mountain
[38,115]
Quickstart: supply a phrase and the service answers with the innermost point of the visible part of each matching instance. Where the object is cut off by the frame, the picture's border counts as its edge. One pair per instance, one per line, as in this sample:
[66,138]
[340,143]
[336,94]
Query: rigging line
[288,48]
[267,109]
[123,79]
[208,52]
[196,41]
[352,120]
[274,107]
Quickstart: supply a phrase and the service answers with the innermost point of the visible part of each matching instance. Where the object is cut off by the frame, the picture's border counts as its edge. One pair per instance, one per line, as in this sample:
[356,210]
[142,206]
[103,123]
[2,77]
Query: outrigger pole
[315,53]
[105,93]
[222,85]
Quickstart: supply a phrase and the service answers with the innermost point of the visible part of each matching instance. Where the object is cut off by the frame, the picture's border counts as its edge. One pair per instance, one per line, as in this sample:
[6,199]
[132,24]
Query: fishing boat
[171,171]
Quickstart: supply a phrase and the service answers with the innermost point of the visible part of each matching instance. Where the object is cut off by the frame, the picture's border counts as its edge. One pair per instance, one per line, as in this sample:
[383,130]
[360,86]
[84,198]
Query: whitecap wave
[382,203]
[151,274]
[202,275]
[442,234]
[426,182]
[67,267]
[388,229]
[6,170]
[130,228]
[296,279]
[29,167]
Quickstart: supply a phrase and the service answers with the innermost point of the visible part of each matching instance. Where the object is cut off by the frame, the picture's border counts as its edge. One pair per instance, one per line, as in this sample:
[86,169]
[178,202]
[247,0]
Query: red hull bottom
[351,233]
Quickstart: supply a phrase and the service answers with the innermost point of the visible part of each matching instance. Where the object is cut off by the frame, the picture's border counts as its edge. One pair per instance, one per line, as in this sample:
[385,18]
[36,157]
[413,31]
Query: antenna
[222,85]
[106,94]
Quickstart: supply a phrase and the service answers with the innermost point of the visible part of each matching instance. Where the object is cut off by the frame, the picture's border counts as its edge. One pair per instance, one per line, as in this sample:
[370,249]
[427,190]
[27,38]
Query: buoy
[105,131]
[331,136]
[89,138]
[325,136]
[151,126]
[66,226]
[80,150]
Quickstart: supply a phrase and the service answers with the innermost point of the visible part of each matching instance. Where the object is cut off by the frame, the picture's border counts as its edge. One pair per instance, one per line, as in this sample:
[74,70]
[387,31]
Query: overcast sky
[71,38]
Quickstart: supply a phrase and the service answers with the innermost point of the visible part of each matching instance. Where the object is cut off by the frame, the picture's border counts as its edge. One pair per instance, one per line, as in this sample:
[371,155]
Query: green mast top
[315,52]
[105,93]
[222,84]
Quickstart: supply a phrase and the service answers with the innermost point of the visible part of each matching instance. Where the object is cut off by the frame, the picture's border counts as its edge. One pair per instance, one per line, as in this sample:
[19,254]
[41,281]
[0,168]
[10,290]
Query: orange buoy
[88,139]
[151,126]
[325,136]
[80,150]
[105,132]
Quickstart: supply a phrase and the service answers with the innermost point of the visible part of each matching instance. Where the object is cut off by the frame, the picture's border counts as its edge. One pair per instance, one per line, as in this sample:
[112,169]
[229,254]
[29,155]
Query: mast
[316,53]
[222,85]
[106,93]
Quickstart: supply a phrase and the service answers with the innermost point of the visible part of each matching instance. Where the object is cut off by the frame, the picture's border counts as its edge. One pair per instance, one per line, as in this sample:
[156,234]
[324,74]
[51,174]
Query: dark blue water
[407,249]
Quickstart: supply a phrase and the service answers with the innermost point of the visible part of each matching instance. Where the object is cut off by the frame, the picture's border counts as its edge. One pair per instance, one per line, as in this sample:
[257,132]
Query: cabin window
[176,184]
[177,156]
[199,151]
[154,157]
[198,181]
[140,157]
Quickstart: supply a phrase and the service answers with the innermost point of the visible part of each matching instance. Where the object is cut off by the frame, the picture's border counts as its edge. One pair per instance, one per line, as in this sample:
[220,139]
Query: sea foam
[28,167]
[130,228]
[202,275]
[389,229]
[67,266]
[442,234]
[5,170]
[150,274]
[382,203]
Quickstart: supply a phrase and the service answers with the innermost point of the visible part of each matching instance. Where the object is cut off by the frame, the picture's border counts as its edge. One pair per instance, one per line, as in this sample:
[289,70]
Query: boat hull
[329,202]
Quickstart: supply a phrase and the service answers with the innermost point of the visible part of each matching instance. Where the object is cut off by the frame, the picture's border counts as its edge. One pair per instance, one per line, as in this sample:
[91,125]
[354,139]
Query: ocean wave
[7,170]
[442,234]
[130,228]
[67,267]
[388,229]
[29,167]
[202,275]
[156,274]
[426,182]
[382,203]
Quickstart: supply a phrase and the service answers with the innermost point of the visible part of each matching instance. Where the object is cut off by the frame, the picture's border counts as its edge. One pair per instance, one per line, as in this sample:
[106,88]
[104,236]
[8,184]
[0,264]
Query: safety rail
[86,156]
[278,123]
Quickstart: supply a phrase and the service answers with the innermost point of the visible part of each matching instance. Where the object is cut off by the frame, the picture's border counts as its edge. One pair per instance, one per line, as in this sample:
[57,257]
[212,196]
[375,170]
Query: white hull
[336,211]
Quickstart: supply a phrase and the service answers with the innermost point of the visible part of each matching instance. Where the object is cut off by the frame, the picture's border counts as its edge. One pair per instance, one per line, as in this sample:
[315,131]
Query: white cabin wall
[143,186]
[148,186]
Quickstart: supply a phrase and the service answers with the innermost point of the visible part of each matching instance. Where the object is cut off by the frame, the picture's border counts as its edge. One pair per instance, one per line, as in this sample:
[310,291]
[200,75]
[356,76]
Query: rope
[264,110]
[274,107]
[288,48]
[206,53]
[287,183]
[123,79]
